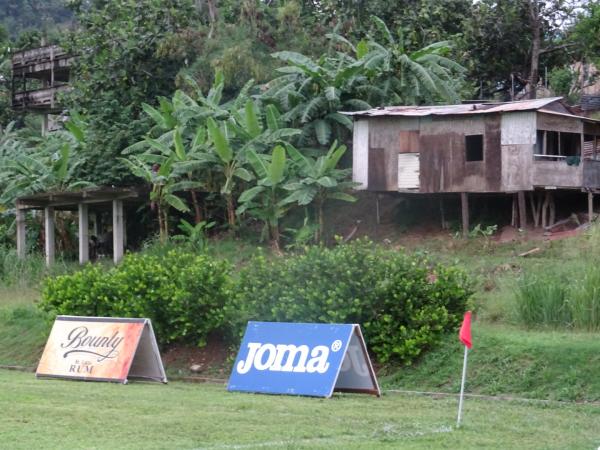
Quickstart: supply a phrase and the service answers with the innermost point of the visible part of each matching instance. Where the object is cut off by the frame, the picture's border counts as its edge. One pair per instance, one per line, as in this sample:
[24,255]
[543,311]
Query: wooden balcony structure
[38,75]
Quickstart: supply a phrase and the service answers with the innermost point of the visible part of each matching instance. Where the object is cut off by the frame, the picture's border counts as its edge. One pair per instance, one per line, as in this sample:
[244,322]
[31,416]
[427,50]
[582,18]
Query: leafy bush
[403,303]
[184,294]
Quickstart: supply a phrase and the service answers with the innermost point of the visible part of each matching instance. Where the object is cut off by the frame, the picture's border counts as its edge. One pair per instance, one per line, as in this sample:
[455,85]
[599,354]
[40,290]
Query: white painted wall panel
[408,170]
[518,128]
[360,153]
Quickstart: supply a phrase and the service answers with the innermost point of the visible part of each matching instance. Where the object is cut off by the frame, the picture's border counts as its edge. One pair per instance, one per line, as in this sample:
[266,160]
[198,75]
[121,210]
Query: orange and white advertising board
[101,349]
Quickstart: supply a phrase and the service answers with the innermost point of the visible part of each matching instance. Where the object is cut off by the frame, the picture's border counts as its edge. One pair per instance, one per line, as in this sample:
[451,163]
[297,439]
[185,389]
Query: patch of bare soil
[212,360]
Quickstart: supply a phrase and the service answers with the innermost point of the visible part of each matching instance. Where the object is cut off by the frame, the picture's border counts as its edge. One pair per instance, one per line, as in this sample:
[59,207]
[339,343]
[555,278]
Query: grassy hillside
[507,359]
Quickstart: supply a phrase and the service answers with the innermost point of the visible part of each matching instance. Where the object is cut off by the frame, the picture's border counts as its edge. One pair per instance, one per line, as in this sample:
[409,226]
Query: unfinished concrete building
[39,75]
[532,146]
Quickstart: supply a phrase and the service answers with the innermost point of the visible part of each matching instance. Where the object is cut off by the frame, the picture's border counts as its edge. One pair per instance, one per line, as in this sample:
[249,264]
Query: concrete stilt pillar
[590,207]
[49,233]
[84,234]
[118,230]
[21,234]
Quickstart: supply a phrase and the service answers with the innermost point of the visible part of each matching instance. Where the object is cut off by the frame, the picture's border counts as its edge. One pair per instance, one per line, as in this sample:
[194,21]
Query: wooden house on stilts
[520,148]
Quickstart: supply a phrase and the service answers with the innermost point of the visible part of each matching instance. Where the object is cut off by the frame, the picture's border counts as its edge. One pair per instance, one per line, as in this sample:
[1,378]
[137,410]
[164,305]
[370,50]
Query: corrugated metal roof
[462,109]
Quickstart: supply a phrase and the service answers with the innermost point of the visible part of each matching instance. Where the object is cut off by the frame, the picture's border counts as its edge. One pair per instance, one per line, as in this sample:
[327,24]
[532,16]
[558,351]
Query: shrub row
[183,294]
[402,302]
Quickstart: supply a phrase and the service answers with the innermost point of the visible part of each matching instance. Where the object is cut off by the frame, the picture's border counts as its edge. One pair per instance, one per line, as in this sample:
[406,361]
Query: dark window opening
[552,143]
[539,142]
[570,144]
[474,147]
[558,146]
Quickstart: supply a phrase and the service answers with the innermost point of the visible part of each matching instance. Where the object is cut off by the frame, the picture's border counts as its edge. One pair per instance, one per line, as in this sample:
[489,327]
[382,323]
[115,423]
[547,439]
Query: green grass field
[507,360]
[68,414]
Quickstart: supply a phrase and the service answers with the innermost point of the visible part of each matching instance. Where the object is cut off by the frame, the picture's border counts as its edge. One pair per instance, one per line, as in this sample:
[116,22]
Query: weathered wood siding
[508,163]
[443,155]
[556,174]
[389,136]
[518,131]
[591,174]
[554,122]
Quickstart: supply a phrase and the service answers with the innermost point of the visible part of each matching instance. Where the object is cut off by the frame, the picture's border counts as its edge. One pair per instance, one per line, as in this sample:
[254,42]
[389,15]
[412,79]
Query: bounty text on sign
[101,348]
[302,359]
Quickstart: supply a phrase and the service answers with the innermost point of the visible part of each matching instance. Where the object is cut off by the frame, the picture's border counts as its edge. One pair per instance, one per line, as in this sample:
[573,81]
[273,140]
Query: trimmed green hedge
[402,302]
[184,294]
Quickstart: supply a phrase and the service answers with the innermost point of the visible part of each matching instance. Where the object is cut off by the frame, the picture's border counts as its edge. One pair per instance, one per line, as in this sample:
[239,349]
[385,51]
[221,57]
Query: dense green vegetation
[190,97]
[404,303]
[229,112]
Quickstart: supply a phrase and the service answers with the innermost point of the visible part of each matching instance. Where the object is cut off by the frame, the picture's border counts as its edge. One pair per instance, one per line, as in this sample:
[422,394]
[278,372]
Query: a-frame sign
[303,359]
[101,349]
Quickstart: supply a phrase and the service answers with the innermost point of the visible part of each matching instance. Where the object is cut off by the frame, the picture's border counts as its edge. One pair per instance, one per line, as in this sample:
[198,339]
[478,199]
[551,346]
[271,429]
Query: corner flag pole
[462,388]
[465,337]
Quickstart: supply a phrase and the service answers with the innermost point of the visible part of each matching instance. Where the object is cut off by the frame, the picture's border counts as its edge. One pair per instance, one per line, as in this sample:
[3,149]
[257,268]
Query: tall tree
[118,67]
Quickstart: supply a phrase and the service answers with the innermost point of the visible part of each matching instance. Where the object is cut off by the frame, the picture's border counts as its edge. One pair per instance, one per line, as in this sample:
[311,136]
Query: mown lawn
[68,414]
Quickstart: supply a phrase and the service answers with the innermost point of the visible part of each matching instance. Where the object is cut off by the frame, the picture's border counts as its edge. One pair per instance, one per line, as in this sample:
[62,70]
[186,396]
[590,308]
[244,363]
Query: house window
[557,145]
[474,147]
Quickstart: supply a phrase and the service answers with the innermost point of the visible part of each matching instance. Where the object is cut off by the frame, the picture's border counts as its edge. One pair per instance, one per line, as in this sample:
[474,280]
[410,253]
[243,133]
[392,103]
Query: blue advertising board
[302,359]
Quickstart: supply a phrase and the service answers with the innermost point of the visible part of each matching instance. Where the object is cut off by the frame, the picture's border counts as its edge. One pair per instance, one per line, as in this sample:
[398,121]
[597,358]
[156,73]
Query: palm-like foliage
[426,75]
[312,92]
[265,201]
[157,170]
[319,179]
[209,139]
[50,166]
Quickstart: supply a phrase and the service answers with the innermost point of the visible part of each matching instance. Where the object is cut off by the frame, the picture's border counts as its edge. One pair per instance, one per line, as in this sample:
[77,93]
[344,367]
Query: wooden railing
[39,98]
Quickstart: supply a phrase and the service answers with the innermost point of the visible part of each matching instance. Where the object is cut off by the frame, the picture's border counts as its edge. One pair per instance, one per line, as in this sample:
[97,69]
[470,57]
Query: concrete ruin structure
[86,203]
[39,75]
[526,148]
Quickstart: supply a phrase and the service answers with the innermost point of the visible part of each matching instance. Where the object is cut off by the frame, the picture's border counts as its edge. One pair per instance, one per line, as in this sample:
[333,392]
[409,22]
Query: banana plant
[319,180]
[265,201]
[409,77]
[158,171]
[229,163]
[50,167]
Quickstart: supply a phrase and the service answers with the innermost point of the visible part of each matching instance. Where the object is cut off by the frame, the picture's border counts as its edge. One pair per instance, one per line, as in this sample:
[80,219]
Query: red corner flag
[465,330]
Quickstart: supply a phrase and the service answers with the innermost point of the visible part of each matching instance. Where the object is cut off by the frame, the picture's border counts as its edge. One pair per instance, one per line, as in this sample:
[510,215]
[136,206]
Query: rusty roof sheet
[462,109]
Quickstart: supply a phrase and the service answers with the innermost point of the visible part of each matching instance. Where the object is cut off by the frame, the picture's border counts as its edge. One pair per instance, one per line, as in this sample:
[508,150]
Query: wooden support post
[118,230]
[551,210]
[49,233]
[464,201]
[377,212]
[84,234]
[535,208]
[21,234]
[522,210]
[443,214]
[545,210]
[590,207]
